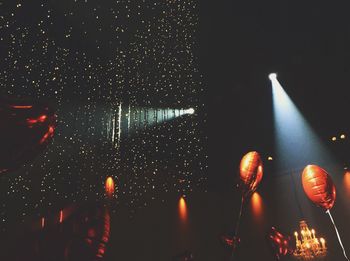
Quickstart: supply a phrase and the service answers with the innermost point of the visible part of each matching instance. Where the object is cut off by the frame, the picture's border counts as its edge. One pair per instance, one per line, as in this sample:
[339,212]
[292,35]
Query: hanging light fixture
[308,246]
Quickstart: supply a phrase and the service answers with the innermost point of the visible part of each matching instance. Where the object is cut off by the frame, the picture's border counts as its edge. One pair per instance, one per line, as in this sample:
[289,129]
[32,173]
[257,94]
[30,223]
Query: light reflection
[257,206]
[182,210]
[347,182]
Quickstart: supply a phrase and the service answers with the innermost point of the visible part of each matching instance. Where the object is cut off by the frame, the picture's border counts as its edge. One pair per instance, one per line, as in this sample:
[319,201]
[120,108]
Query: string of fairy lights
[120,75]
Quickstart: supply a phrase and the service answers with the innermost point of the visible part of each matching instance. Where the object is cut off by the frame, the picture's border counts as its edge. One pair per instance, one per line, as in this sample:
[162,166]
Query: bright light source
[269,158]
[272,76]
[334,138]
[342,136]
[189,111]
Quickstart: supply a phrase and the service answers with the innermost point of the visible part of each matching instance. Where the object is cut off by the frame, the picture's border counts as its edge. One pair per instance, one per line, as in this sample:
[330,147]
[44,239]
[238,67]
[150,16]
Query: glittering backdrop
[118,74]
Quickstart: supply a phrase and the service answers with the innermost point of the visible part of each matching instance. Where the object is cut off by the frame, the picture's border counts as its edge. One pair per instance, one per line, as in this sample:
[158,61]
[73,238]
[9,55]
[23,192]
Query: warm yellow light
[109,187]
[342,136]
[182,209]
[257,206]
[334,138]
[269,158]
[308,246]
[346,181]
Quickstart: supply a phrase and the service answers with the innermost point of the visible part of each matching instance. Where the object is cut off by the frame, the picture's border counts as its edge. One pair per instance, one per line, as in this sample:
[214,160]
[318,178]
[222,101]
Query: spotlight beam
[296,143]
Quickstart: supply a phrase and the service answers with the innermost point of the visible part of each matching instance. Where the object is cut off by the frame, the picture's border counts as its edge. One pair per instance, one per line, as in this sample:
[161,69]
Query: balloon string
[237,227]
[336,230]
[239,217]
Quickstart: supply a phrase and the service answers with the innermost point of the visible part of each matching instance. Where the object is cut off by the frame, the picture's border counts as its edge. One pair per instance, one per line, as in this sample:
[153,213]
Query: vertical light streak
[129,116]
[119,122]
[42,222]
[182,210]
[61,216]
[347,183]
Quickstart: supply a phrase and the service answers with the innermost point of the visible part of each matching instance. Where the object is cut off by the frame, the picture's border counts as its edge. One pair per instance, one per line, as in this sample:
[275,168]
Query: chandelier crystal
[308,246]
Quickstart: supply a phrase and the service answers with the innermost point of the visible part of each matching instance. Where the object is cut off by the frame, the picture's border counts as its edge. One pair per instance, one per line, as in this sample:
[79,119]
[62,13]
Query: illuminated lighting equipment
[125,119]
[308,246]
[269,158]
[342,136]
[296,143]
[109,187]
[334,138]
[189,111]
[182,209]
[272,76]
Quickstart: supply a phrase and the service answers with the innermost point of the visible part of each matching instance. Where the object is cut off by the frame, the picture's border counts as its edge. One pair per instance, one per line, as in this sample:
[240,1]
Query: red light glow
[40,119]
[48,134]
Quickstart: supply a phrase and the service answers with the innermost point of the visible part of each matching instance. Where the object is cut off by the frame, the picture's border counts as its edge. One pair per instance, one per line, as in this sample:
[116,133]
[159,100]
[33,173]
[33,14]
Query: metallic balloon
[250,172]
[280,244]
[25,129]
[318,186]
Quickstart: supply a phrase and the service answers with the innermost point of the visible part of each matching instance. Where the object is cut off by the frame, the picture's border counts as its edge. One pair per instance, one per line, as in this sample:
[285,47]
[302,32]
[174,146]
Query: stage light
[189,111]
[334,138]
[296,143]
[272,76]
[269,158]
[342,136]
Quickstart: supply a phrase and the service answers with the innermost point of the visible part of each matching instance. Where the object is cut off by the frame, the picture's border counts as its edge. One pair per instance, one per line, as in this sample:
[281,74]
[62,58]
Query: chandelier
[309,247]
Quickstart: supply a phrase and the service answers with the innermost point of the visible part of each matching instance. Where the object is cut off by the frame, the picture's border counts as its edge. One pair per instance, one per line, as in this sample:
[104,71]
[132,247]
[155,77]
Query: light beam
[296,143]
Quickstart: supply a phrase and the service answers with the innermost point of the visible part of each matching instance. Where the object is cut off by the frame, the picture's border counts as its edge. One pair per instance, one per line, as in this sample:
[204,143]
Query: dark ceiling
[305,43]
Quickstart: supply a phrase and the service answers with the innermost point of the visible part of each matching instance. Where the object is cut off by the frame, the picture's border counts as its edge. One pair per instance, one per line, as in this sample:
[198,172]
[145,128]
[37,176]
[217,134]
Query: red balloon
[280,244]
[318,186]
[25,129]
[250,172]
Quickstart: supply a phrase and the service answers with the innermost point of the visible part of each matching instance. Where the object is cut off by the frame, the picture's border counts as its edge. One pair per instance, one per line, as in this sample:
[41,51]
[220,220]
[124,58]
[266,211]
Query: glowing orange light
[182,209]
[109,187]
[257,206]
[48,134]
[41,119]
[61,216]
[22,106]
[42,222]
[347,182]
